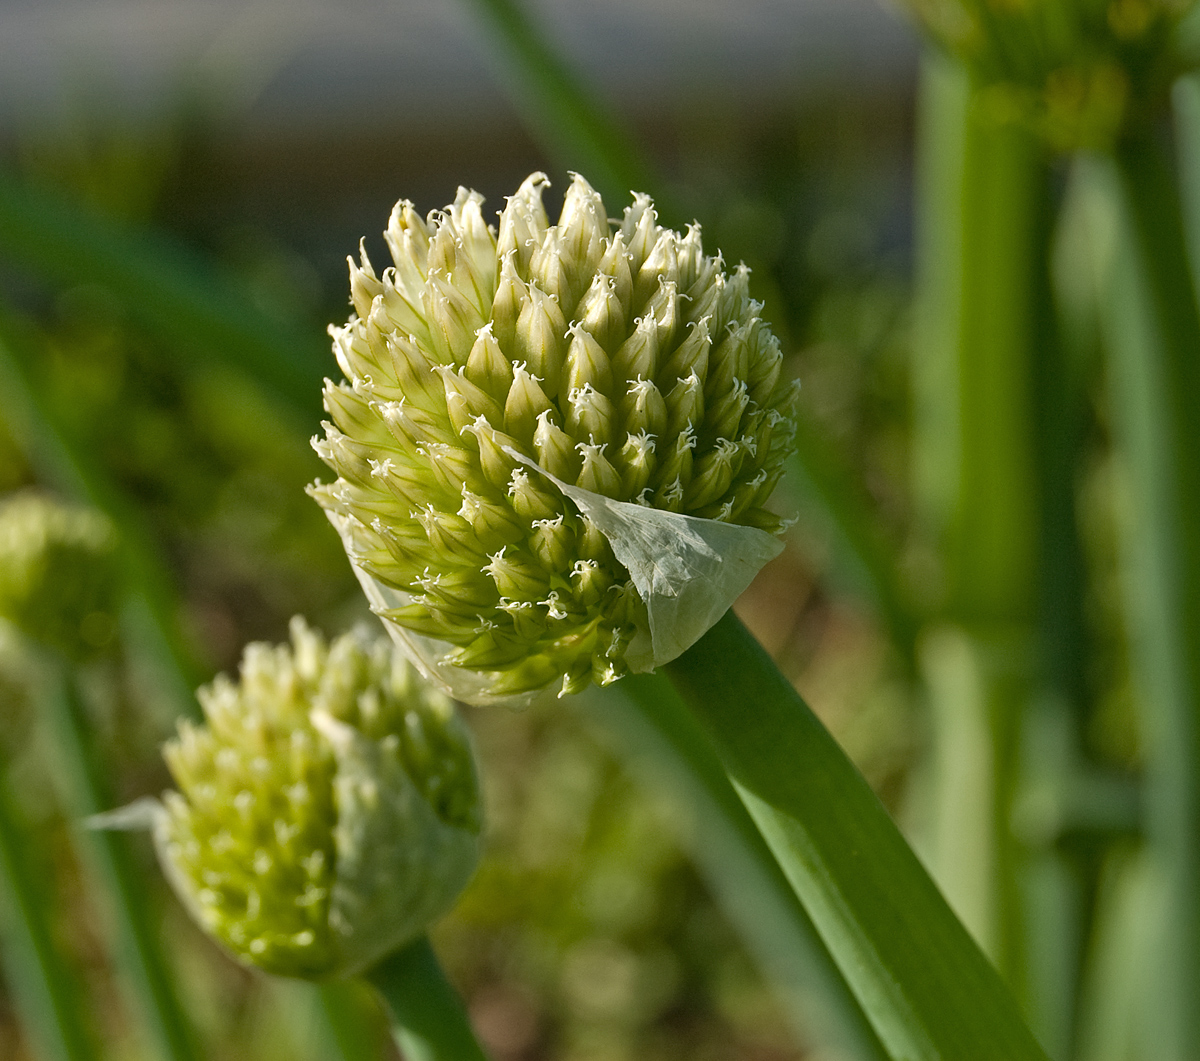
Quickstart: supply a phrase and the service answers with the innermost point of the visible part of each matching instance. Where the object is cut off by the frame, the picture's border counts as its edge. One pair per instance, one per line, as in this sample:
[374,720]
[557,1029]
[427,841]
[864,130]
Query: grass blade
[176,293]
[137,939]
[47,994]
[927,988]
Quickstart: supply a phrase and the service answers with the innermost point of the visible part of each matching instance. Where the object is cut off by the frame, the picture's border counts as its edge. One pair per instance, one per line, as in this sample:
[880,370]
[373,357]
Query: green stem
[137,938]
[1155,346]
[663,742]
[428,1019]
[45,989]
[928,990]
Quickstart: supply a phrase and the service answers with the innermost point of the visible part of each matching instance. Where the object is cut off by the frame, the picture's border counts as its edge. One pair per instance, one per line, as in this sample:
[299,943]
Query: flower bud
[623,364]
[58,574]
[328,808]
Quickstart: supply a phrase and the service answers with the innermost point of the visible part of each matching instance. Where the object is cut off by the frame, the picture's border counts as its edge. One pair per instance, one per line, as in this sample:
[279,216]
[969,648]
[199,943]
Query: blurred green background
[246,148]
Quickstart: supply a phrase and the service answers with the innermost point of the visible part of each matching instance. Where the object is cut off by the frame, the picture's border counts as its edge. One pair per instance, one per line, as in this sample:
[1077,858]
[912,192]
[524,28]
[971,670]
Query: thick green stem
[428,1019]
[666,746]
[1155,346]
[925,985]
[45,989]
[142,958]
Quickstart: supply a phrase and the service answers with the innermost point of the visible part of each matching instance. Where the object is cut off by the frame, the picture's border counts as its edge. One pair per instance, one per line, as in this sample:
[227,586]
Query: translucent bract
[616,357]
[328,809]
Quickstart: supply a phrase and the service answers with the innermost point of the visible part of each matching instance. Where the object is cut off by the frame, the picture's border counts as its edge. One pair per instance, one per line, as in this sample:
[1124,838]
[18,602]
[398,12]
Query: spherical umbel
[486,368]
[328,809]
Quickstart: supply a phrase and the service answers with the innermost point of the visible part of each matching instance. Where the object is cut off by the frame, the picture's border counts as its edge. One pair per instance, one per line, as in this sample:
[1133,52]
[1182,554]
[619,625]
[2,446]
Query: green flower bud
[1077,71]
[617,362]
[328,809]
[58,574]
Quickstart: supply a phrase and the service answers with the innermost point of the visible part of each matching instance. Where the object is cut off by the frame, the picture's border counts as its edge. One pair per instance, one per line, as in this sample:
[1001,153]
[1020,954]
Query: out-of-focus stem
[1155,349]
[44,987]
[142,958]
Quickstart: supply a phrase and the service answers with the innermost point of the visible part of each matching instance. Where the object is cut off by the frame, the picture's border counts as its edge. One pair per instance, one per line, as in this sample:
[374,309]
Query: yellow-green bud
[1077,71]
[617,360]
[328,809]
[58,573]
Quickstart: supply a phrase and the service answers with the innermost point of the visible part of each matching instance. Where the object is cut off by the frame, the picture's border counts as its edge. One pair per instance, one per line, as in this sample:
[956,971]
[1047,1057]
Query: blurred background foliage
[265,140]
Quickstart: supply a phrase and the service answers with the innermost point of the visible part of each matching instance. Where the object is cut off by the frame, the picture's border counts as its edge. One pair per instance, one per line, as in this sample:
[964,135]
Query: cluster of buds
[1078,71]
[328,809]
[58,573]
[487,371]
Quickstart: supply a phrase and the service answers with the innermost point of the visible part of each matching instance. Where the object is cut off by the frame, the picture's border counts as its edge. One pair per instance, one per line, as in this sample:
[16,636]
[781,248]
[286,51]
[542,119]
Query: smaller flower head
[58,573]
[328,810]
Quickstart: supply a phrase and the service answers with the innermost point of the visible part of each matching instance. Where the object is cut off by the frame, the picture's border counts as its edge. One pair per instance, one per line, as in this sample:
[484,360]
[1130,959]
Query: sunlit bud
[685,405]
[476,245]
[523,222]
[487,366]
[712,474]
[532,501]
[494,520]
[511,296]
[643,409]
[614,263]
[636,463]
[407,238]
[729,360]
[663,308]
[526,401]
[540,339]
[675,464]
[696,271]
[601,314]
[465,402]
[598,474]
[453,319]
[494,459]
[516,576]
[727,410]
[662,263]
[553,543]
[493,373]
[639,230]
[59,575]
[589,414]
[322,771]
[637,357]
[587,364]
[690,357]
[555,448]
[364,284]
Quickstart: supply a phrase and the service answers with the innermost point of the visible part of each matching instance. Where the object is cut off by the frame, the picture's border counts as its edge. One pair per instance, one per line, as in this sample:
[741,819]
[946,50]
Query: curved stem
[428,1019]
[926,987]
